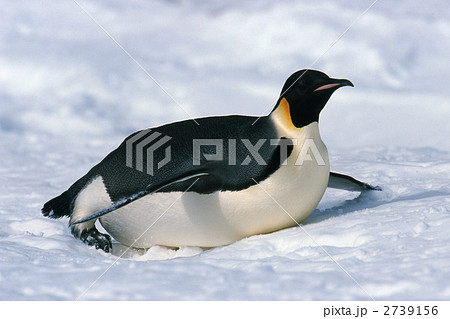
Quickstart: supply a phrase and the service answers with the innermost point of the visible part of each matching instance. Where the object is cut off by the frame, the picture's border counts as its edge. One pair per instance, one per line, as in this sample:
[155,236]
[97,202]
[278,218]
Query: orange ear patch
[285,111]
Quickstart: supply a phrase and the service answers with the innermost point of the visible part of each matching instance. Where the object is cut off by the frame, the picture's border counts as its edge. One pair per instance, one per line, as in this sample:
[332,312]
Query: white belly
[175,219]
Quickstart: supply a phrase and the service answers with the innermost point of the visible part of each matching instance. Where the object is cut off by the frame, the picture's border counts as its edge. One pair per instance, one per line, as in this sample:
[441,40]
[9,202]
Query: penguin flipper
[152,188]
[348,183]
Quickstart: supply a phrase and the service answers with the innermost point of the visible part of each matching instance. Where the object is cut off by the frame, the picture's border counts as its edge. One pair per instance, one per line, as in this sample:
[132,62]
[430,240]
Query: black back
[122,181]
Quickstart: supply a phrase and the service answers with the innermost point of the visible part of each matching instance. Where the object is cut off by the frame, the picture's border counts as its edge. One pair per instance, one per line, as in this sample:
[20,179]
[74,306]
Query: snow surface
[69,95]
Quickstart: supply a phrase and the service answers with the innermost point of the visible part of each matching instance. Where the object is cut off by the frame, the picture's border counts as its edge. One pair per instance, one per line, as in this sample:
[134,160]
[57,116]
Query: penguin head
[305,94]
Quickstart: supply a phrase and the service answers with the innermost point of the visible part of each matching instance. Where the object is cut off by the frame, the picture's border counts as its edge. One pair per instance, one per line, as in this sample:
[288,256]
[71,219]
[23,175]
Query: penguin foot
[93,237]
[348,183]
[369,187]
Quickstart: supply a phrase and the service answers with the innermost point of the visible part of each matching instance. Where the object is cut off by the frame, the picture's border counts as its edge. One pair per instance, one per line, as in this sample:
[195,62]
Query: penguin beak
[335,84]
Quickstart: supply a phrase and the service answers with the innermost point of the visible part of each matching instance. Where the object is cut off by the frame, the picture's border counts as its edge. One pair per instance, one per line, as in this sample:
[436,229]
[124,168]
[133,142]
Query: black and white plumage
[256,186]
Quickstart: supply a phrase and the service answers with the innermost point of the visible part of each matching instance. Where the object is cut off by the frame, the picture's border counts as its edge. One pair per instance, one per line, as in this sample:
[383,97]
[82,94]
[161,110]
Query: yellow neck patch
[282,115]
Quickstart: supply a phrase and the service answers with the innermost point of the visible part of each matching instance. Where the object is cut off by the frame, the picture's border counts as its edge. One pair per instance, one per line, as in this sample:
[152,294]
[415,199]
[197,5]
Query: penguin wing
[153,188]
[211,176]
[348,183]
[125,184]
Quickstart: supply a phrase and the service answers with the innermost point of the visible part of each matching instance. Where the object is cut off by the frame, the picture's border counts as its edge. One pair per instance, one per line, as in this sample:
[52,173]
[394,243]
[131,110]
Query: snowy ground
[69,95]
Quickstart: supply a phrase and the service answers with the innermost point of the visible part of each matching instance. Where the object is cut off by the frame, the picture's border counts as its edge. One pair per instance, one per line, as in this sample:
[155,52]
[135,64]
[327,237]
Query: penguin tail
[58,207]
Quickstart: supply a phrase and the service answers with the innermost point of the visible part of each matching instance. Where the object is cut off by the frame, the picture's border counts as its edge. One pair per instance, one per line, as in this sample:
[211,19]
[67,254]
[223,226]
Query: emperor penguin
[210,181]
